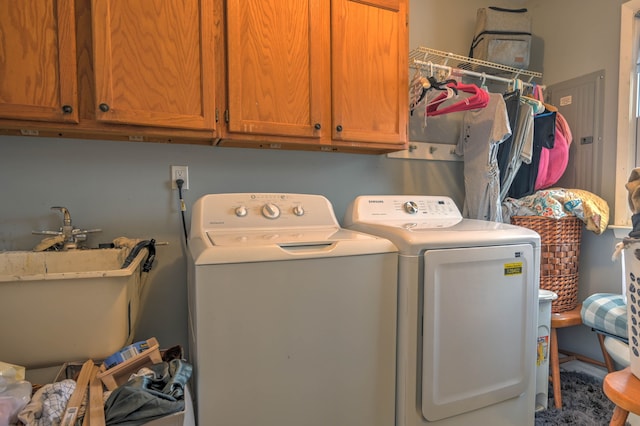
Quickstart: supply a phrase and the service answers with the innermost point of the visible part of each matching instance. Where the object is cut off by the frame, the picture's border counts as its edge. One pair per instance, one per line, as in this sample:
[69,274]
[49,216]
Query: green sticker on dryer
[514,268]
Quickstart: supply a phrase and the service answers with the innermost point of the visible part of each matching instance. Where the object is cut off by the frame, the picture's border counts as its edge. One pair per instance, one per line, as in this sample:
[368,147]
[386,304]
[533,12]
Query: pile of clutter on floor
[133,386]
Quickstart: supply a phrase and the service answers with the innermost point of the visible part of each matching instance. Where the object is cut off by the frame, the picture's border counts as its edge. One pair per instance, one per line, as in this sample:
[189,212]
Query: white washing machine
[292,319]
[467,311]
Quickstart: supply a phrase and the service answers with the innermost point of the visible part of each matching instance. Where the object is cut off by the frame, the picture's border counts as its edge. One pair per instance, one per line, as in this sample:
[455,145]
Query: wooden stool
[623,389]
[561,320]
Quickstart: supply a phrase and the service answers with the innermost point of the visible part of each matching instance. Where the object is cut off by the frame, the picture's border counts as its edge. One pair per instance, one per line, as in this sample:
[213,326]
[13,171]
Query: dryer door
[479,325]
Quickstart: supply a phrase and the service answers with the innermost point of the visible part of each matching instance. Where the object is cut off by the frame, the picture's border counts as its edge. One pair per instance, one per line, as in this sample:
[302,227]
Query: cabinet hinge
[226,115]
[217,114]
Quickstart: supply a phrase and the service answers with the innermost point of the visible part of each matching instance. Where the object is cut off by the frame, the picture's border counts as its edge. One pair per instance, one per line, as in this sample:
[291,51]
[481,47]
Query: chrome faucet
[70,236]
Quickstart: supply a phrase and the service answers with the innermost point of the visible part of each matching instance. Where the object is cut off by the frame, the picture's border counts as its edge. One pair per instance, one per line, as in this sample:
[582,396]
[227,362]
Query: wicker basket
[560,251]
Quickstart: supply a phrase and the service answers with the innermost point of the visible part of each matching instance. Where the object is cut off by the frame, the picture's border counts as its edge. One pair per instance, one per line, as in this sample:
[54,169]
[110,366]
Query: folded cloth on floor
[156,391]
[47,404]
[558,203]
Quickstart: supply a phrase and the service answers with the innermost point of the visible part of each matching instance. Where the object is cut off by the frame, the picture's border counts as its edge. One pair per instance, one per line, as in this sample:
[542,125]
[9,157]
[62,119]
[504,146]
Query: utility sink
[56,265]
[67,305]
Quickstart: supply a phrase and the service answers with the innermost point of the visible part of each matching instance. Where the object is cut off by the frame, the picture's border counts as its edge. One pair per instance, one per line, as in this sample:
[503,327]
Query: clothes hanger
[417,90]
[483,83]
[448,94]
[479,99]
[535,100]
[537,94]
[443,85]
[536,105]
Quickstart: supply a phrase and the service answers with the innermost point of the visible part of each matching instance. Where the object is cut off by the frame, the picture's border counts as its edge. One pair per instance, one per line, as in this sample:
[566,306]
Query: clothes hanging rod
[483,76]
[423,56]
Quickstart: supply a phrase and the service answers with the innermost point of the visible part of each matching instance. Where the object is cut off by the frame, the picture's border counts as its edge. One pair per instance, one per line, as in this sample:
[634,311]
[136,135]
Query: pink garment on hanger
[553,162]
[479,99]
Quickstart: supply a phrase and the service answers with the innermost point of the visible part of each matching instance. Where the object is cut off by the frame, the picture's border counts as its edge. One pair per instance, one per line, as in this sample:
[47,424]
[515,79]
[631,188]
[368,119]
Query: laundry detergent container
[66,306]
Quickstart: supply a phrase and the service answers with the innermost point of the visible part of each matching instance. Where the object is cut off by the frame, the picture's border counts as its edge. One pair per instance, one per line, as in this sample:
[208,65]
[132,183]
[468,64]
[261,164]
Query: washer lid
[261,246]
[283,237]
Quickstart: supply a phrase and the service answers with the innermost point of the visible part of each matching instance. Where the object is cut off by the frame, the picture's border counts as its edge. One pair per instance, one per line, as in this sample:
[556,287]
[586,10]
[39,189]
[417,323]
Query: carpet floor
[583,403]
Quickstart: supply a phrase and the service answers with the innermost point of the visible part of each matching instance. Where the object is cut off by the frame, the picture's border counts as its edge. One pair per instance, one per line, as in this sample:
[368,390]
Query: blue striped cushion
[605,312]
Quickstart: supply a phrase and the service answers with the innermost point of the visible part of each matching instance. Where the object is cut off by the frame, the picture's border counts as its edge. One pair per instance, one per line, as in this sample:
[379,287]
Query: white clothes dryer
[292,319]
[467,311]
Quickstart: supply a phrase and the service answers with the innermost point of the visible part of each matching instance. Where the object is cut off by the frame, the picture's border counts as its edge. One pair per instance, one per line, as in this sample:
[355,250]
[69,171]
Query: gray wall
[570,46]
[124,189]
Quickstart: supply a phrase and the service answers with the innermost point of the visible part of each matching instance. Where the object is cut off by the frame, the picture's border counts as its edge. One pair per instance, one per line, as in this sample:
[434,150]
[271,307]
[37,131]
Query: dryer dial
[411,207]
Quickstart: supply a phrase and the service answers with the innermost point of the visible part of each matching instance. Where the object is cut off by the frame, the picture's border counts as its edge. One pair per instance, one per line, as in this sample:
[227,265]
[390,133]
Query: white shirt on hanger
[482,131]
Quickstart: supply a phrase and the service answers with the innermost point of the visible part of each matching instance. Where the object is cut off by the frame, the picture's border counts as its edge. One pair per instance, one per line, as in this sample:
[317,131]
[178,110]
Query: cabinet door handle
[104,107]
[339,128]
[67,109]
[317,126]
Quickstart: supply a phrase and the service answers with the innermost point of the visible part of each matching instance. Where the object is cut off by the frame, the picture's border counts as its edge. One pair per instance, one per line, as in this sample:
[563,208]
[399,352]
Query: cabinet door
[369,54]
[278,79]
[154,62]
[38,79]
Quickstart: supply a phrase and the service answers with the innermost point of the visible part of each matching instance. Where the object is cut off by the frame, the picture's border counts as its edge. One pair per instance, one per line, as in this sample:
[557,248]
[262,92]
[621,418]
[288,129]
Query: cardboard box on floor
[119,374]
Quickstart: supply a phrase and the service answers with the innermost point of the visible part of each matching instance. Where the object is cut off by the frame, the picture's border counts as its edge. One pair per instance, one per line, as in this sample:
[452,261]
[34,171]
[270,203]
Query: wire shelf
[423,57]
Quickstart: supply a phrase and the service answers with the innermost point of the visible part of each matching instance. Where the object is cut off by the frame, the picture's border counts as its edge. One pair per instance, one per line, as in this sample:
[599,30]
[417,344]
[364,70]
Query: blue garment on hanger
[544,133]
[512,102]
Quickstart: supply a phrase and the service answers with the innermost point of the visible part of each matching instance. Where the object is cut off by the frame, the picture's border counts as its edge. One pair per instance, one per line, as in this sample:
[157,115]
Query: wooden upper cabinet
[300,74]
[324,73]
[154,62]
[278,75]
[38,79]
[369,72]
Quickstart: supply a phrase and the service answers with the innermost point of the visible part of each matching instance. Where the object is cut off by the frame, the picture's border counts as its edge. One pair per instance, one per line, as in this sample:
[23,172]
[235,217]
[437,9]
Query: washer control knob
[270,211]
[241,211]
[411,207]
[298,210]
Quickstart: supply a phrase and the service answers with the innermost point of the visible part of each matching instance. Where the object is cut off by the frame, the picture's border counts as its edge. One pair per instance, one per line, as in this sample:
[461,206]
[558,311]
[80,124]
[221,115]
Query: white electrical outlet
[180,172]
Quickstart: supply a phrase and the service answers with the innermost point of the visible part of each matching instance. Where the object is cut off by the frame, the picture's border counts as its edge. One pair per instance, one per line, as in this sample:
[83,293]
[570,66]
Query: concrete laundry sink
[67,305]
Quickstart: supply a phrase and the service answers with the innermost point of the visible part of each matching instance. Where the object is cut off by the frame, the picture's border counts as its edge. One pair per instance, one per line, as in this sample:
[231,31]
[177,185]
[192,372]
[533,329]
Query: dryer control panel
[386,208]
